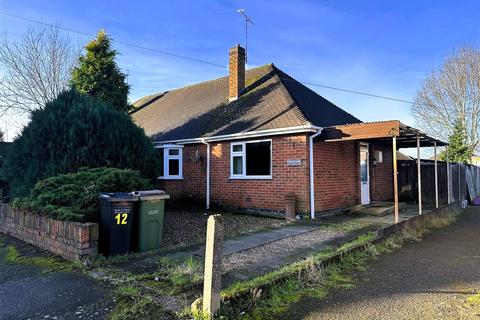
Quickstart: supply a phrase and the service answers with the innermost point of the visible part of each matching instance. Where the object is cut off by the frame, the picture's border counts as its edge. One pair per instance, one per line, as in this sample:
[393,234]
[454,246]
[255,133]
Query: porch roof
[380,131]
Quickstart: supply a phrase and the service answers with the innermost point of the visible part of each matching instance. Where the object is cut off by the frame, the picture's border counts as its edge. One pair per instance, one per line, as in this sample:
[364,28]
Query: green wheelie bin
[149,219]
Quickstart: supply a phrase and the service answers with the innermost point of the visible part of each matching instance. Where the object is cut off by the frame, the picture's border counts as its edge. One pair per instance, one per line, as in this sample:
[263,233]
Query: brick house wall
[265,195]
[381,175]
[194,183]
[337,177]
[336,168]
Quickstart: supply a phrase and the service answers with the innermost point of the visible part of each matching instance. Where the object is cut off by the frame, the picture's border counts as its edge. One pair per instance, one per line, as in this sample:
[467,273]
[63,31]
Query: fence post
[395,178]
[436,173]
[449,200]
[419,176]
[213,266]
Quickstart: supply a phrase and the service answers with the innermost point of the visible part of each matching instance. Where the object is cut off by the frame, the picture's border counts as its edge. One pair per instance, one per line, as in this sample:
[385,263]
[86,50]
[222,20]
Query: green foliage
[72,132]
[74,196]
[98,75]
[458,149]
[133,304]
[45,263]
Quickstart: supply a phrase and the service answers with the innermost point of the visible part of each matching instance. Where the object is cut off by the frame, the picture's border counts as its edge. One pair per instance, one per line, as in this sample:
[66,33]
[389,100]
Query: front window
[171,162]
[251,160]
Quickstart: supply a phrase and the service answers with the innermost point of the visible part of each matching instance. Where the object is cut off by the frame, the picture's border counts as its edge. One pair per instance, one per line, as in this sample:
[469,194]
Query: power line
[350,91]
[113,40]
[197,60]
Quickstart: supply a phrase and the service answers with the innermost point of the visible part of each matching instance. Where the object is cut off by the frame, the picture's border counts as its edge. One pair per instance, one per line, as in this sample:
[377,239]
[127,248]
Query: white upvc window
[171,161]
[251,159]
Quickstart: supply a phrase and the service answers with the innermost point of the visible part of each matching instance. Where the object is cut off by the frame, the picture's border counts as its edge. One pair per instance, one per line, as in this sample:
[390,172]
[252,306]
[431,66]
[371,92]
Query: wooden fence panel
[408,184]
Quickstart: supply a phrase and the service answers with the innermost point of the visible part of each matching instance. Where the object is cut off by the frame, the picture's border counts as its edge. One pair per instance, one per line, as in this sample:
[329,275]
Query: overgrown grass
[133,304]
[349,225]
[46,263]
[271,295]
[174,276]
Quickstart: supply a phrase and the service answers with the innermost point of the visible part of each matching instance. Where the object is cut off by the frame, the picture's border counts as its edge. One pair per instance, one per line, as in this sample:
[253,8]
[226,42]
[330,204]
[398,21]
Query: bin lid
[150,195]
[117,196]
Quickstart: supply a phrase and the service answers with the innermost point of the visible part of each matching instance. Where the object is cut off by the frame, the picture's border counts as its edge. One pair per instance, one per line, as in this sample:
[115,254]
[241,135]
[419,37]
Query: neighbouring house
[246,140]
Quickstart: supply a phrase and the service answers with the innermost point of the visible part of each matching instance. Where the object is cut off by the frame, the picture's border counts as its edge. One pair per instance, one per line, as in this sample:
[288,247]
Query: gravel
[284,247]
[187,227]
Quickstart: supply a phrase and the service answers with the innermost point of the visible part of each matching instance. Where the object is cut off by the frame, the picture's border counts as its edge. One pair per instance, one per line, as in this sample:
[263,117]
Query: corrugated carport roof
[382,130]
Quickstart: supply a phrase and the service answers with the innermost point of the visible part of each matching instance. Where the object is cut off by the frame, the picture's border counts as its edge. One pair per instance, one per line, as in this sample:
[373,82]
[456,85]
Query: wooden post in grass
[213,266]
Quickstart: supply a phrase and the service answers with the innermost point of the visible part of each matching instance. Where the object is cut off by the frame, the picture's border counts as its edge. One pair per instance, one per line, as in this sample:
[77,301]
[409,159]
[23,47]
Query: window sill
[251,178]
[169,178]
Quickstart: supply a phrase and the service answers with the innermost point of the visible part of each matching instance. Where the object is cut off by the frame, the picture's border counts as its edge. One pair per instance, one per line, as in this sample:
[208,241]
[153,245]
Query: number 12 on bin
[121,218]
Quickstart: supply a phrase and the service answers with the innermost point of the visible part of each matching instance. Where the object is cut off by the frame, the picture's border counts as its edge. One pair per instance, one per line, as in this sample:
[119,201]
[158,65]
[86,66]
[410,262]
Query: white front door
[364,174]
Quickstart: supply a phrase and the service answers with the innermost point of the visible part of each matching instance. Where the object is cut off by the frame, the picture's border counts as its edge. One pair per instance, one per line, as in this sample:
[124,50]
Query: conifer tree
[97,74]
[72,132]
[458,149]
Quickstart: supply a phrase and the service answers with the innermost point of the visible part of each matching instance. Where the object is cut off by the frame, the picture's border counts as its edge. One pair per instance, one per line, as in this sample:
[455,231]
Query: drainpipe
[312,187]
[208,173]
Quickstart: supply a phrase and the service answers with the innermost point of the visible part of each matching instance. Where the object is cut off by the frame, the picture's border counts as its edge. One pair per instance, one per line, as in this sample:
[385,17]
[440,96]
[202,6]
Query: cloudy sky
[380,47]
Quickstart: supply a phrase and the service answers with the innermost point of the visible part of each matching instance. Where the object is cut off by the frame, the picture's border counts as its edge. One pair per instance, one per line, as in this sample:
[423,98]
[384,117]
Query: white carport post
[419,176]
[395,178]
[436,173]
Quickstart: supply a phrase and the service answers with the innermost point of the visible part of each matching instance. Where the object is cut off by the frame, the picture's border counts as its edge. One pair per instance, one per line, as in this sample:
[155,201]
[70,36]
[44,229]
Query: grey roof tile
[271,100]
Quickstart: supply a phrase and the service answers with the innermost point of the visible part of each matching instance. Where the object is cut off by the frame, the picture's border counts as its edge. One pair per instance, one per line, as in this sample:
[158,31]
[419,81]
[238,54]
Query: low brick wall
[71,240]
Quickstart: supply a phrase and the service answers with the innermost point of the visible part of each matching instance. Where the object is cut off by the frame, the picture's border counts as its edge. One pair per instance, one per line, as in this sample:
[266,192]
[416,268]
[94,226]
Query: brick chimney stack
[236,72]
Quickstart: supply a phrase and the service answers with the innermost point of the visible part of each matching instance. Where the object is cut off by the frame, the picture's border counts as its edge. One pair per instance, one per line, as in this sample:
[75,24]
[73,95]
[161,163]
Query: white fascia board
[244,135]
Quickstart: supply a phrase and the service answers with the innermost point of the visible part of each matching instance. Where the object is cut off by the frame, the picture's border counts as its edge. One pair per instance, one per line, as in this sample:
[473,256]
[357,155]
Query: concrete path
[430,279]
[26,292]
[252,240]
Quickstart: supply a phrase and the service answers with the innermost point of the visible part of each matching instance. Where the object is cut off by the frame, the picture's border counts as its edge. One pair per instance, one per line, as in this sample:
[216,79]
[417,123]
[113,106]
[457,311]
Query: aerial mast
[247,21]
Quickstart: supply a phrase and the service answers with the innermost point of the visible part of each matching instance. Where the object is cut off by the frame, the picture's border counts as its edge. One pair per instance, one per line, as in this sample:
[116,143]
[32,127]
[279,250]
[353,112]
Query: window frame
[167,157]
[243,155]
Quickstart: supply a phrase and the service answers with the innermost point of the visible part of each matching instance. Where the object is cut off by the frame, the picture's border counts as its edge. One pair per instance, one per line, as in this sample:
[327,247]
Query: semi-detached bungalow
[246,140]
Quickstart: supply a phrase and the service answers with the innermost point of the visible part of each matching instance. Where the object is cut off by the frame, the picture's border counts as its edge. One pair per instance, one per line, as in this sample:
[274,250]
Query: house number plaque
[294,162]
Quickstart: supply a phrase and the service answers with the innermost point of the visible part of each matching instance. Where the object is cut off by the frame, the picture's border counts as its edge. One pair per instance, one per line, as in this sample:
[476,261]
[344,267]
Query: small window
[171,162]
[251,160]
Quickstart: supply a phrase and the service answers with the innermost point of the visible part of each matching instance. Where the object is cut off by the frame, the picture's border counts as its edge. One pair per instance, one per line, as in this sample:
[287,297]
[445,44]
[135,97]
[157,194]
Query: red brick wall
[336,165]
[381,176]
[193,186]
[71,240]
[337,177]
[263,194]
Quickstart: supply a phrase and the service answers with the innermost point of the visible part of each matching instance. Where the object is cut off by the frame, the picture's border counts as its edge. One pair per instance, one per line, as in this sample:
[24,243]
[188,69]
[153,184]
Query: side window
[171,162]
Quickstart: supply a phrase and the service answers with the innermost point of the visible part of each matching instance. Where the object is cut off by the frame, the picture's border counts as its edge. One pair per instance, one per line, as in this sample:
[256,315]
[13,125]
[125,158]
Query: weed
[474,299]
[133,304]
[46,263]
[177,273]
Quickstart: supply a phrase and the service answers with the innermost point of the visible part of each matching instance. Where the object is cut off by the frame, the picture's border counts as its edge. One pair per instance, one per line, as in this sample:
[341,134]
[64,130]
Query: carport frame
[401,136]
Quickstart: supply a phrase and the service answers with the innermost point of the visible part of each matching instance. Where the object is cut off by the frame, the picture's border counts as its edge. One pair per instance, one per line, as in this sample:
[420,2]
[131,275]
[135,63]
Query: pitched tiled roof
[271,100]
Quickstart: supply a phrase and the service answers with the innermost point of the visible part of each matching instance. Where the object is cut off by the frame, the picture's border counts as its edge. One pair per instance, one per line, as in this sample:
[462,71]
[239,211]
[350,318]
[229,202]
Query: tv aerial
[247,21]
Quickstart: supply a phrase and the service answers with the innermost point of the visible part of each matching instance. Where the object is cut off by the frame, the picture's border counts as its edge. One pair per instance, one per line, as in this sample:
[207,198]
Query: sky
[380,47]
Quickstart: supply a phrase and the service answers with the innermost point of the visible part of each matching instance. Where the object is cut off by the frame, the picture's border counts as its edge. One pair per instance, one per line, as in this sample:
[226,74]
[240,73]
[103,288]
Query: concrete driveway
[430,279]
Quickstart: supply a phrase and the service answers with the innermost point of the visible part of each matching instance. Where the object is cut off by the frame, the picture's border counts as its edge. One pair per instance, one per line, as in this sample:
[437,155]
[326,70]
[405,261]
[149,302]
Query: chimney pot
[236,72]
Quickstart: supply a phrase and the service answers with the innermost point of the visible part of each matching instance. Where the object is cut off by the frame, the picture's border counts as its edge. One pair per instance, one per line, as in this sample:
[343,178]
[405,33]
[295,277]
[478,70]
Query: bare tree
[451,94]
[34,69]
